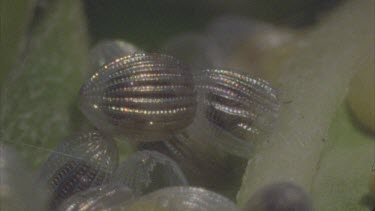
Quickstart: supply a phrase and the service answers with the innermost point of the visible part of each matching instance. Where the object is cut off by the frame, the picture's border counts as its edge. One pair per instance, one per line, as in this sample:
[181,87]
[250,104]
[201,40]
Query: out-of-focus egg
[109,50]
[361,96]
[180,198]
[200,162]
[146,97]
[80,162]
[232,31]
[146,171]
[97,198]
[238,43]
[283,196]
[198,50]
[248,43]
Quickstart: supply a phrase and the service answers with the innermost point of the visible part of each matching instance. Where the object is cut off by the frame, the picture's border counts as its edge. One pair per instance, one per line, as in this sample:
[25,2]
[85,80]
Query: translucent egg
[199,161]
[143,96]
[180,198]
[235,110]
[245,42]
[235,42]
[109,50]
[198,50]
[235,32]
[146,171]
[80,162]
[97,198]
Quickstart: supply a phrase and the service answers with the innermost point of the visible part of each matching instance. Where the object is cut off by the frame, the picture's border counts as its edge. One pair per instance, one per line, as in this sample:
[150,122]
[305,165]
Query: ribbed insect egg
[180,198]
[146,171]
[109,50]
[235,110]
[143,96]
[97,198]
[78,163]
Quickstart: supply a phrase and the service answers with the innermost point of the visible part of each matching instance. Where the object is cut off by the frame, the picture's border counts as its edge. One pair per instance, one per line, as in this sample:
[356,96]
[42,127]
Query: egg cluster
[189,126]
[193,130]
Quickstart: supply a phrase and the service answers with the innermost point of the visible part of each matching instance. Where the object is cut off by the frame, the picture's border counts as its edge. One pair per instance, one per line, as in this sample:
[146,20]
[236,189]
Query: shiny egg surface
[141,95]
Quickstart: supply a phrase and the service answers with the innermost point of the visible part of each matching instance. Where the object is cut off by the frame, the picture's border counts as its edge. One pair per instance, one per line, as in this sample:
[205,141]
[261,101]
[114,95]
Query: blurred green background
[148,23]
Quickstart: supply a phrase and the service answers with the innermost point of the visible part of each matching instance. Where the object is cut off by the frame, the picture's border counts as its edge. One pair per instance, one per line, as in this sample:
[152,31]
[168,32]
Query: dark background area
[148,23]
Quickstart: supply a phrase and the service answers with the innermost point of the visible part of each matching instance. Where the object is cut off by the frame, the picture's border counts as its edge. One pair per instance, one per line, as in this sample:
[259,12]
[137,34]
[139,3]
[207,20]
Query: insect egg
[180,198]
[109,50]
[234,110]
[81,177]
[143,96]
[97,198]
[200,162]
[78,163]
[282,196]
[199,50]
[145,171]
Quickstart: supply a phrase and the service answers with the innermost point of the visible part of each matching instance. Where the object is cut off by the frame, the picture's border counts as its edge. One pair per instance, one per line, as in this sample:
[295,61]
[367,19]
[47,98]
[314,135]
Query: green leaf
[14,19]
[314,80]
[38,102]
[342,179]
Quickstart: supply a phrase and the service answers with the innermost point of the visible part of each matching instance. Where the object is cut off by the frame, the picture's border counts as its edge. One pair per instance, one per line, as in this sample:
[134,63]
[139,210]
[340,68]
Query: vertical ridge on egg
[145,171]
[71,177]
[234,112]
[78,163]
[237,97]
[235,109]
[144,95]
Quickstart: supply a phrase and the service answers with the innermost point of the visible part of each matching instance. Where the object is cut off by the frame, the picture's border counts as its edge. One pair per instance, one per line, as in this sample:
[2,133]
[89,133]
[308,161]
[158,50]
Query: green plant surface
[39,106]
[313,83]
[38,101]
[14,19]
[342,179]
